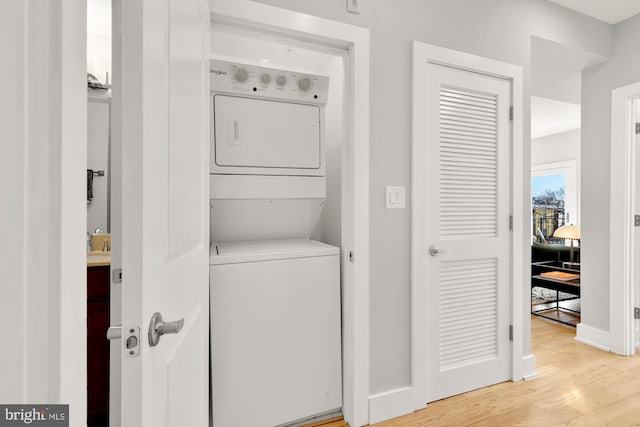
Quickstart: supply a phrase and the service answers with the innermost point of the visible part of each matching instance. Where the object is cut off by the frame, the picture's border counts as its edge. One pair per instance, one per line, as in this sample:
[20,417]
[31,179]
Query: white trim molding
[593,336]
[390,404]
[45,63]
[354,40]
[513,73]
[622,248]
[529,367]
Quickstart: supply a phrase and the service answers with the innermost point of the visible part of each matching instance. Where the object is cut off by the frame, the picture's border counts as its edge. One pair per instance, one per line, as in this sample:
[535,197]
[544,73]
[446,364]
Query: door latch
[114,332]
[132,342]
[116,276]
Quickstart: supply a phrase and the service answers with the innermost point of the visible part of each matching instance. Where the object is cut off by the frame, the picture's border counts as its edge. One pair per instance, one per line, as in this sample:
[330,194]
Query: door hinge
[636,220]
[636,312]
[116,276]
[510,332]
[511,222]
[638,128]
[350,256]
[511,112]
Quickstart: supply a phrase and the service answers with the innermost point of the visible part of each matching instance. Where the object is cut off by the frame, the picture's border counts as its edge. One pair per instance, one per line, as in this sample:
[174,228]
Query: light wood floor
[577,385]
[331,422]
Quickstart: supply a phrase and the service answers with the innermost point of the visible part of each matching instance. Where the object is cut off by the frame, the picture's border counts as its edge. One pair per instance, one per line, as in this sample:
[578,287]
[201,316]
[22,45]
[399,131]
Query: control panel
[269,83]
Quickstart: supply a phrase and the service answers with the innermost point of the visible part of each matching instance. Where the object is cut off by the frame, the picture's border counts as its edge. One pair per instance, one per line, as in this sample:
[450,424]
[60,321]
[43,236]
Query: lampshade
[568,231]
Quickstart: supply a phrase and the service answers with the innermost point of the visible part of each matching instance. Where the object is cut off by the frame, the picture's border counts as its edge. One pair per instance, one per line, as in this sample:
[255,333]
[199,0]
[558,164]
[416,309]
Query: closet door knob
[435,251]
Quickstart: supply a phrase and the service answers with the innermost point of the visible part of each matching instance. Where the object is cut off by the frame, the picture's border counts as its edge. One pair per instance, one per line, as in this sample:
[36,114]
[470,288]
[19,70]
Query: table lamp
[571,232]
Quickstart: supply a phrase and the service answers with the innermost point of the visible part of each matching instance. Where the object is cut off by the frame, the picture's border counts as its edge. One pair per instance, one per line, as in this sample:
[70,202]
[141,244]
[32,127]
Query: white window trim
[569,169]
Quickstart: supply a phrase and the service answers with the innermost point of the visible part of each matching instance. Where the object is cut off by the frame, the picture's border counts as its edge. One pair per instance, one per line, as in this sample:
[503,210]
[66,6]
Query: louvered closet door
[468,188]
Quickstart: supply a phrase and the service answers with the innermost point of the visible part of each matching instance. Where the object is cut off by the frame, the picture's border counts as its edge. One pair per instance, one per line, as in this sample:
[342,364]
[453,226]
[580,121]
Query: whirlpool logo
[37,415]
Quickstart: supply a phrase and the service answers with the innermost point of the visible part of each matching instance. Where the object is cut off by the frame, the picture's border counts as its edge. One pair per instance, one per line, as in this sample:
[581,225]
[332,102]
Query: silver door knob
[158,328]
[435,251]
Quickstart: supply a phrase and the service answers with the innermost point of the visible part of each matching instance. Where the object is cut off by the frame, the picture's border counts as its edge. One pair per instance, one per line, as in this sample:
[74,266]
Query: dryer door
[256,136]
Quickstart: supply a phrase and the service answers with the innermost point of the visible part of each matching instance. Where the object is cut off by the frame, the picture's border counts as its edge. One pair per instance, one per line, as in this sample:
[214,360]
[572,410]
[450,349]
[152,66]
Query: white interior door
[467,227]
[161,104]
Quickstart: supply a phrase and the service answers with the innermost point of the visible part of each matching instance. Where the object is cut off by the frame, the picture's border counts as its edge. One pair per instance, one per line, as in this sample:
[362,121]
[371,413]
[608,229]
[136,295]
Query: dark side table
[571,287]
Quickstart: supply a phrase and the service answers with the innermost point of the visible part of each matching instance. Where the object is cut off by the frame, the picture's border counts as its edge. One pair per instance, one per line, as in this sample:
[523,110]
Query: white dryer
[275,294]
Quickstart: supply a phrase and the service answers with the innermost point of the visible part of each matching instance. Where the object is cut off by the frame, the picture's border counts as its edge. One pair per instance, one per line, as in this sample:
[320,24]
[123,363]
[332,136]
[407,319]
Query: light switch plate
[353,6]
[395,197]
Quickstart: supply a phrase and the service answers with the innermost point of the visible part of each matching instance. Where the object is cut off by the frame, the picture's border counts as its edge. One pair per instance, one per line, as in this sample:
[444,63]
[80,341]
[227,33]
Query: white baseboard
[593,336]
[529,367]
[390,404]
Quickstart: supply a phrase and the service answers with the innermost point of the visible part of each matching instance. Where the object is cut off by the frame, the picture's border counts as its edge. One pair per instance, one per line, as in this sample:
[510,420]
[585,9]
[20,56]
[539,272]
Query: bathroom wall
[98,149]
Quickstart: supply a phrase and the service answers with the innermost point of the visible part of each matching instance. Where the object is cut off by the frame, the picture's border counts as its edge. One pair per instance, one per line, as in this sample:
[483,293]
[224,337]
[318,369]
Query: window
[554,199]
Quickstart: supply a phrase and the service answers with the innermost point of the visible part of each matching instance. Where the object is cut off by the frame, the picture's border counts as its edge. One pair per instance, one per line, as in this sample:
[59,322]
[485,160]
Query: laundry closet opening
[276,189]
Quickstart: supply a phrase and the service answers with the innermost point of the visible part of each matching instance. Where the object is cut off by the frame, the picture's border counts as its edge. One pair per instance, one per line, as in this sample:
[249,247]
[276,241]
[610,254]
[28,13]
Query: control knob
[304,84]
[265,78]
[241,75]
[281,80]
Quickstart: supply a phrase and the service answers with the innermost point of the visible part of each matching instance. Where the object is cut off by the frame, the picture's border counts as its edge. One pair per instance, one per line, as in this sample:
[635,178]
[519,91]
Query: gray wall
[597,83]
[559,147]
[499,29]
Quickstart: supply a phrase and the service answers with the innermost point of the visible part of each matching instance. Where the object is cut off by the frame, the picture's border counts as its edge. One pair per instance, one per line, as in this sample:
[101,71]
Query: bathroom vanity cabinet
[97,346]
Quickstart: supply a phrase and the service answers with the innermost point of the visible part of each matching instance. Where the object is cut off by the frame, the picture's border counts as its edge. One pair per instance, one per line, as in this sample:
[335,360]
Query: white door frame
[621,230]
[54,111]
[419,209]
[354,40]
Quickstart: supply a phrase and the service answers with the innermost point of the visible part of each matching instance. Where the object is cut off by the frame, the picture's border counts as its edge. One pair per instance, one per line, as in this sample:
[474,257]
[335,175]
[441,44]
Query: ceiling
[99,17]
[611,11]
[549,117]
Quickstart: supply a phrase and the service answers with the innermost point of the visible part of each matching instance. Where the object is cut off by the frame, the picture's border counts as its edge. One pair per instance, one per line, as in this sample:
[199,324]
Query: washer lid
[240,252]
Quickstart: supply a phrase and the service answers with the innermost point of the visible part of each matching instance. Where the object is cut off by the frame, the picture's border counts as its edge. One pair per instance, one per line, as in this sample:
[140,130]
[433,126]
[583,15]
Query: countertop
[98,259]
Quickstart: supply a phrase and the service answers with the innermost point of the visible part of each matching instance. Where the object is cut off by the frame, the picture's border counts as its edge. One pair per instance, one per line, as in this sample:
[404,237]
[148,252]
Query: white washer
[275,332]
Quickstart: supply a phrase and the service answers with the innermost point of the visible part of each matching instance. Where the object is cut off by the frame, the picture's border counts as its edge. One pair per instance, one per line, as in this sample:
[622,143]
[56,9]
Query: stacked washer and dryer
[275,293]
